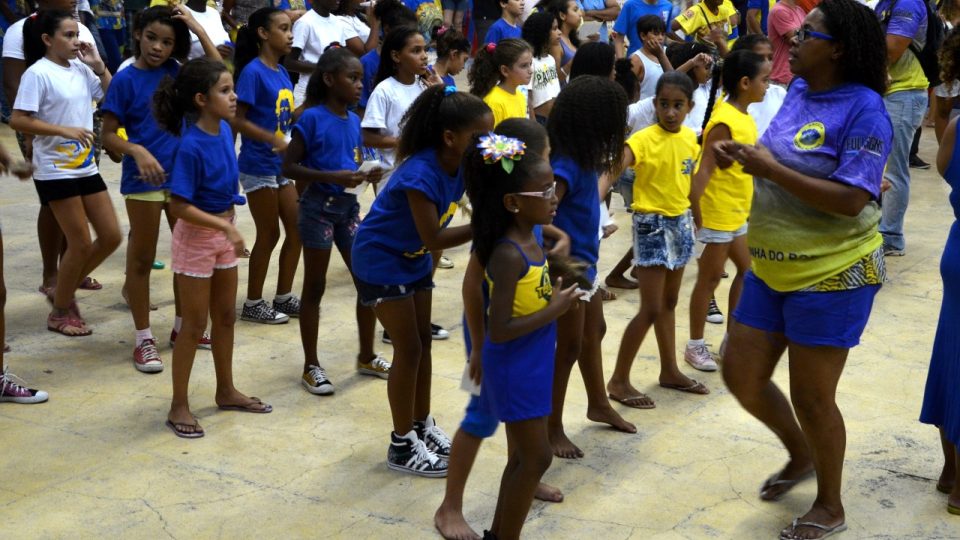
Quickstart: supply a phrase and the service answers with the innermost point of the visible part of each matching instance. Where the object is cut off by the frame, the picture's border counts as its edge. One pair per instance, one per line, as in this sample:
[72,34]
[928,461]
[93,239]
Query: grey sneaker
[290,307]
[700,358]
[262,313]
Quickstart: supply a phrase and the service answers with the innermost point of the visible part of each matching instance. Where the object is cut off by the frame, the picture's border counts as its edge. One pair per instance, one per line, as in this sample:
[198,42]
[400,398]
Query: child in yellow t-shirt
[499,75]
[721,197]
[663,157]
[711,22]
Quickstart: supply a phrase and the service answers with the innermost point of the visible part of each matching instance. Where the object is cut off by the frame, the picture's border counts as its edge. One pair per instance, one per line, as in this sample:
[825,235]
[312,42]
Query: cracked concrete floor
[96,460]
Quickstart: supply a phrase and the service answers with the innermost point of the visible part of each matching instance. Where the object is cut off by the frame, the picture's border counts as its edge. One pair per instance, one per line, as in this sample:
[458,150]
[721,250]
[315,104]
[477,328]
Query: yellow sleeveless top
[725,204]
[533,288]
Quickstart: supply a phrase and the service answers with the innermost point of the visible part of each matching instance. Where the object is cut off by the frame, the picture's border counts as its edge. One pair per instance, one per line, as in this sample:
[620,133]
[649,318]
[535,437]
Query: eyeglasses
[545,194]
[803,33]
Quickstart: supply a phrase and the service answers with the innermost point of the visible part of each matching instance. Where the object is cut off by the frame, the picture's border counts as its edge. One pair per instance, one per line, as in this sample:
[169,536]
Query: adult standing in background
[785,19]
[905,24]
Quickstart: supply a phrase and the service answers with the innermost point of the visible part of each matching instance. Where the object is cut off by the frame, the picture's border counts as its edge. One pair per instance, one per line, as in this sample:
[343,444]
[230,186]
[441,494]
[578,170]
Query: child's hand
[91,57]
[280,145]
[567,298]
[375,175]
[717,35]
[225,50]
[476,366]
[351,179]
[22,170]
[233,236]
[703,60]
[885,185]
[184,15]
[84,136]
[561,246]
[726,153]
[150,169]
[432,79]
[757,160]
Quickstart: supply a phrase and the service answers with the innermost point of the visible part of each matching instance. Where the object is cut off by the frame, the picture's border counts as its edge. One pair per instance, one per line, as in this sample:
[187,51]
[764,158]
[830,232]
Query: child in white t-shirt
[54,103]
[543,34]
[209,19]
[316,30]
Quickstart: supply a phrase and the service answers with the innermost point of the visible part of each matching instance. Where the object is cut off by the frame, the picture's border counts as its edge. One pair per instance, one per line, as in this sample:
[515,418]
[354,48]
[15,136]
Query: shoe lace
[380,363]
[423,453]
[439,437]
[148,350]
[318,374]
[11,384]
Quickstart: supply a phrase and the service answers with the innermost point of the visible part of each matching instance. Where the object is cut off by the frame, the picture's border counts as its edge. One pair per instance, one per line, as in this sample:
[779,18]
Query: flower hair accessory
[447,90]
[497,148]
[441,30]
[491,47]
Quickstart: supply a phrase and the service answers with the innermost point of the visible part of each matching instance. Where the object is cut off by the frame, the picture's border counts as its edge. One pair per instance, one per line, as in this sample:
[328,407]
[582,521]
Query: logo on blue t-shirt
[284,111]
[810,137]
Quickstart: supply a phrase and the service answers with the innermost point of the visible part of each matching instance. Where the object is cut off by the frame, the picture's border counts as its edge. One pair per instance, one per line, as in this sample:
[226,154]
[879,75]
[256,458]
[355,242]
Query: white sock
[695,343]
[177,321]
[281,298]
[250,303]
[143,335]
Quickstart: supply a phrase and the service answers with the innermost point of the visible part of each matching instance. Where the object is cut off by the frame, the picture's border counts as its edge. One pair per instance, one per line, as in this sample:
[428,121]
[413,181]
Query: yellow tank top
[725,204]
[533,288]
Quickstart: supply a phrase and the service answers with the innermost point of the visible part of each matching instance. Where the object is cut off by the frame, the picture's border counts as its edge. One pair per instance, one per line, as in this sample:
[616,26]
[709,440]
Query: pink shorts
[198,251]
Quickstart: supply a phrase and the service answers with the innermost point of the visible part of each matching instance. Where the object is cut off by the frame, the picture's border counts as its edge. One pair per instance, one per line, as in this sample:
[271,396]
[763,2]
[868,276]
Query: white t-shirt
[312,34]
[764,111]
[640,115]
[386,107]
[701,96]
[354,23]
[212,24]
[545,84]
[62,96]
[13,39]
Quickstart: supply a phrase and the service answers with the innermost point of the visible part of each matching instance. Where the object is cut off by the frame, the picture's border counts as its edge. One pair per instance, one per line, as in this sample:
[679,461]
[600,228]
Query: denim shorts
[713,236]
[625,187]
[326,219]
[372,294]
[253,182]
[813,319]
[661,240]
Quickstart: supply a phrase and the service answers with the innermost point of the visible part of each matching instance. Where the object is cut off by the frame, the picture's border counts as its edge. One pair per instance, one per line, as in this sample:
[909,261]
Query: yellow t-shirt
[663,163]
[725,204]
[506,105]
[697,21]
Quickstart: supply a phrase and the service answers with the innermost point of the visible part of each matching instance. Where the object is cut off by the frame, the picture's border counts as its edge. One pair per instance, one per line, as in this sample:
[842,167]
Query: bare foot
[451,525]
[606,415]
[819,523]
[563,447]
[794,472]
[546,492]
[620,282]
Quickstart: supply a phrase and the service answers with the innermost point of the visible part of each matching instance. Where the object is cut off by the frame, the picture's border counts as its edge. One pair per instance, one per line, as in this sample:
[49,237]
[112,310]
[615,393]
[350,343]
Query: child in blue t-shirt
[264,115]
[453,50]
[161,37]
[507,26]
[392,261]
[324,155]
[206,243]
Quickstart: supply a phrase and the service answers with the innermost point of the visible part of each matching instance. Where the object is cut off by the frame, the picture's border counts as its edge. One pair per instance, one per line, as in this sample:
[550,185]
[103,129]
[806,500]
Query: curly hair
[856,28]
[536,31]
[949,55]
[485,72]
[587,123]
[433,112]
[173,100]
[163,15]
[487,184]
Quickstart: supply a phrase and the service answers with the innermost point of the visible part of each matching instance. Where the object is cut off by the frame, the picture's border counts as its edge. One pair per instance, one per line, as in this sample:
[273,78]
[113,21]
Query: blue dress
[941,399]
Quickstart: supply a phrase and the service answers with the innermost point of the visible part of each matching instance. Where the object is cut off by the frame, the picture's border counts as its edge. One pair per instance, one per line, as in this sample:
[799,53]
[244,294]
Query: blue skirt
[941,399]
[518,375]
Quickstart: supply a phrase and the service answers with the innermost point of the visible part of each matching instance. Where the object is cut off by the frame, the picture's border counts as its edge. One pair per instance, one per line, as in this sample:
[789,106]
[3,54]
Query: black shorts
[56,190]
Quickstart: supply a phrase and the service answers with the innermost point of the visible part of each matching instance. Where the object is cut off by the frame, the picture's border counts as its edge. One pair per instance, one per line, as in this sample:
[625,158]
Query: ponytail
[737,65]
[715,74]
[248,39]
[44,22]
[173,101]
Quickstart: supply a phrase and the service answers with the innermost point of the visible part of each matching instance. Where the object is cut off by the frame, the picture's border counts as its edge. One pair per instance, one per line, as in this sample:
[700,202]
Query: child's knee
[269,235]
[224,316]
[313,289]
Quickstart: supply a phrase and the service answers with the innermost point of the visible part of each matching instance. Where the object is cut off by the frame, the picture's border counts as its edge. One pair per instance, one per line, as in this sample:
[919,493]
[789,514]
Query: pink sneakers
[14,390]
[146,358]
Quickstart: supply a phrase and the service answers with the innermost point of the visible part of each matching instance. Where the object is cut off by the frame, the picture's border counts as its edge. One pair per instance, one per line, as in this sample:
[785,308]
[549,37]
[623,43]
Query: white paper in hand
[366,166]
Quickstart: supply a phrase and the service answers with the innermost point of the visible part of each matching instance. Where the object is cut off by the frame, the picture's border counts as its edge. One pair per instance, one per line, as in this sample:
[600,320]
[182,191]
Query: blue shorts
[661,240]
[253,182]
[325,220]
[372,294]
[479,420]
[813,319]
[455,5]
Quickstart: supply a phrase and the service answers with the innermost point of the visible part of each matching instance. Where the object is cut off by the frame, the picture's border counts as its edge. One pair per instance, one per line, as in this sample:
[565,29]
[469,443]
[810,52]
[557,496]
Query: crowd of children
[326,107]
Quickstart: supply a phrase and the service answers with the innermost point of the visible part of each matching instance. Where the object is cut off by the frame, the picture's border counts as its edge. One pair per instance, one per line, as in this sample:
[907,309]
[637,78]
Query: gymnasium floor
[97,461]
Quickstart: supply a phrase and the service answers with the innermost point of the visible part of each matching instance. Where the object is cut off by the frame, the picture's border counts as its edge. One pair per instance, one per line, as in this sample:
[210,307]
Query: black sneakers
[410,455]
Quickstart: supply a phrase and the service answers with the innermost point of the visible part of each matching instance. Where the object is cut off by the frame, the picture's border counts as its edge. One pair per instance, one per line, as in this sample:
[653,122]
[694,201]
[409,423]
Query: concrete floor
[96,460]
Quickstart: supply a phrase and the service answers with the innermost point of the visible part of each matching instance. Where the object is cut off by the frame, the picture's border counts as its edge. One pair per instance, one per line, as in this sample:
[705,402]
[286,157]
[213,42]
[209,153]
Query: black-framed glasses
[545,194]
[803,33]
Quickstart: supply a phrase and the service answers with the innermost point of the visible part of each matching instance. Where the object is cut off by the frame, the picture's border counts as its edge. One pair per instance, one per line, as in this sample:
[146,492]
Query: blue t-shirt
[130,99]
[269,95]
[501,29]
[370,63]
[579,212]
[631,12]
[331,143]
[205,170]
[764,7]
[387,249]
